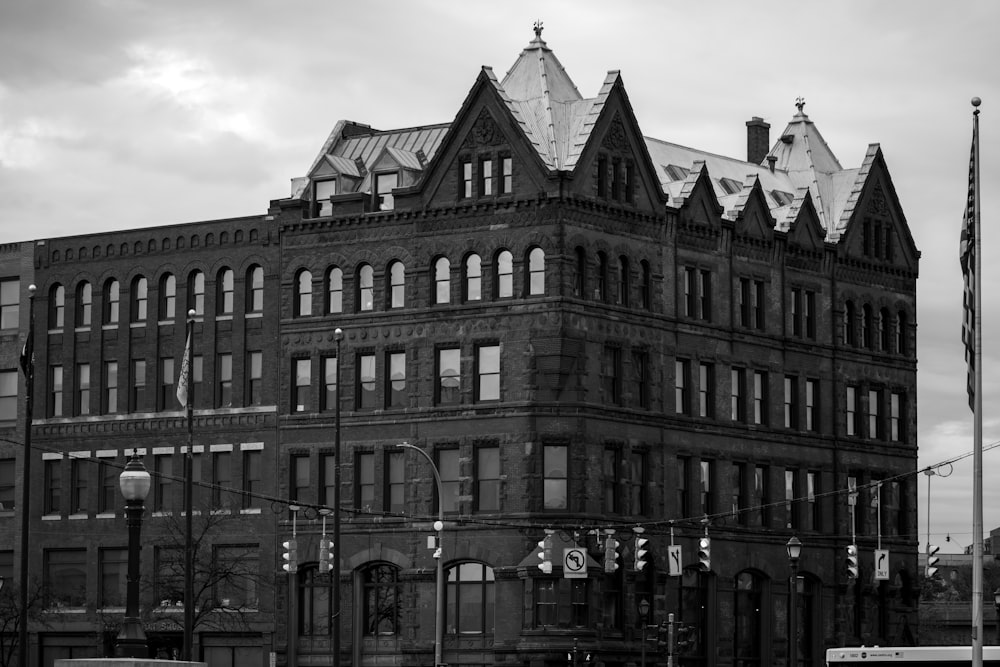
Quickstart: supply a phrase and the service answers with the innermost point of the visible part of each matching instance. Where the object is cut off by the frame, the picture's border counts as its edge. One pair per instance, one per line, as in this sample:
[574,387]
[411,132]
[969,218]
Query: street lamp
[439,527]
[996,607]
[134,483]
[643,613]
[794,549]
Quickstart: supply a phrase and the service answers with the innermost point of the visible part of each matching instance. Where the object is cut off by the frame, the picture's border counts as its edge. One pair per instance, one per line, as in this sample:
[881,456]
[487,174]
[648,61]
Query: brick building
[589,331]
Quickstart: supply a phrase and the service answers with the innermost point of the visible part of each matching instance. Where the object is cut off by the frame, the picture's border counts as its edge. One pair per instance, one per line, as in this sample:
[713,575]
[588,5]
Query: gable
[806,231]
[753,216]
[697,201]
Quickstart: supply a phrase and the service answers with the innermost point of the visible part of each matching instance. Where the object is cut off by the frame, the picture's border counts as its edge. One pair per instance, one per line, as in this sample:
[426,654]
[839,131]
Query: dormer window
[730,186]
[322,191]
[382,194]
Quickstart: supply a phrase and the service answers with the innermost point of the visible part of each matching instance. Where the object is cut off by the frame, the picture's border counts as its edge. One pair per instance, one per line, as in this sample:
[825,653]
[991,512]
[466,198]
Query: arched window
[255,289]
[334,290]
[580,274]
[442,280]
[84,304]
[224,286]
[647,286]
[504,276]
[380,600]
[112,295]
[473,278]
[884,330]
[168,296]
[315,602]
[901,334]
[471,598]
[536,272]
[365,296]
[601,291]
[624,283]
[57,306]
[750,618]
[196,293]
[397,285]
[139,300]
[303,294]
[849,315]
[867,327]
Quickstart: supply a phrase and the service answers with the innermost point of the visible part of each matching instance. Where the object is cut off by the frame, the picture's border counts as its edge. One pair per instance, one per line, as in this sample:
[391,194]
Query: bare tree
[10,616]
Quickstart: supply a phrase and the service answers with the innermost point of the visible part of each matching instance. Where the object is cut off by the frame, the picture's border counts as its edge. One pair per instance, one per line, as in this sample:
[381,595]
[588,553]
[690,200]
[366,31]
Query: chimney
[758,139]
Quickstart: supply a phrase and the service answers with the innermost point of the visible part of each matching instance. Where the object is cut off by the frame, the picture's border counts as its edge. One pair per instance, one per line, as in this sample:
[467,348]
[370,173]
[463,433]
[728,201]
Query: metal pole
[335,557]
[132,639]
[439,526]
[793,616]
[29,390]
[188,646]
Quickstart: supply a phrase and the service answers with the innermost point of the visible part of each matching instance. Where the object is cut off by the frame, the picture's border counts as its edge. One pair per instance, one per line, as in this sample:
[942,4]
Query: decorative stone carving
[484,132]
[616,139]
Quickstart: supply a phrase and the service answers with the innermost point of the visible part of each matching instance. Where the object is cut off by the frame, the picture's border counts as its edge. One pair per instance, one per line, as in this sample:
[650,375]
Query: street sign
[674,564]
[881,564]
[574,563]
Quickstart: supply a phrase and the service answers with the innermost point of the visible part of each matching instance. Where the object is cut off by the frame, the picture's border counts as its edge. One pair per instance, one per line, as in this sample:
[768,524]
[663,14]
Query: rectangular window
[197,375]
[506,175]
[55,391]
[682,401]
[65,577]
[810,514]
[690,292]
[253,478]
[611,473]
[488,479]
[82,398]
[239,590]
[809,312]
[8,395]
[448,467]
[255,373]
[895,417]
[760,397]
[322,191]
[222,478]
[555,476]
[796,312]
[616,179]
[852,411]
[744,302]
[168,576]
[739,493]
[108,494]
[757,304]
[874,420]
[225,376]
[760,498]
[611,374]
[448,369]
[395,482]
[396,380]
[303,383]
[791,496]
[138,398]
[465,178]
[602,176]
[10,303]
[683,484]
[113,565]
[812,405]
[640,378]
[110,387]
[488,373]
[168,394]
[637,483]
[53,486]
[366,382]
[705,295]
[706,390]
[485,177]
[705,486]
[791,402]
[79,479]
[364,480]
[384,185]
[7,485]
[329,383]
[737,406]
[629,182]
[163,467]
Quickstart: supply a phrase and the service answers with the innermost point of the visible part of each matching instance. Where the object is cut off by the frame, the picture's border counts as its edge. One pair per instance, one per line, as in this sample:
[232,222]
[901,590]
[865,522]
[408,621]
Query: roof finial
[799,103]
[538,29]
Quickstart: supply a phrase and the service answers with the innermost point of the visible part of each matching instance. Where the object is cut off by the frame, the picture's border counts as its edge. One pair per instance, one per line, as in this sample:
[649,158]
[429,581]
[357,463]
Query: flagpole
[188,366]
[977,459]
[28,367]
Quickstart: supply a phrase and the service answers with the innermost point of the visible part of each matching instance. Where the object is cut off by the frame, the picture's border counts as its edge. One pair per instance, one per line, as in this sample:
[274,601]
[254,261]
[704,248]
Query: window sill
[51,517]
[105,515]
[136,325]
[253,316]
[250,510]
[224,317]
[77,517]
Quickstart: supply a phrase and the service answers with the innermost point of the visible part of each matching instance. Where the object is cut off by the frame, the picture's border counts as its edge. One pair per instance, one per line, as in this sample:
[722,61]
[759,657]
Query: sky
[143,113]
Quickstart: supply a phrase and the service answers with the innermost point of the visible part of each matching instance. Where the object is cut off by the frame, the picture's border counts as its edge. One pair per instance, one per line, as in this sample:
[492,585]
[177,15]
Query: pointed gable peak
[537,73]
[802,148]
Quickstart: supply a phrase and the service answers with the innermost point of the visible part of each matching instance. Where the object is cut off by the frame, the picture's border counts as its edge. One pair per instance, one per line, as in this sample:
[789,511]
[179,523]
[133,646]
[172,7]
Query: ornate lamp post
[794,549]
[643,614]
[439,527]
[134,483]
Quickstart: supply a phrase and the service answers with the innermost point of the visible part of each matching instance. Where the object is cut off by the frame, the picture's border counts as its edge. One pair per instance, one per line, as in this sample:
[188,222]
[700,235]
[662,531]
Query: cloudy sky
[121,114]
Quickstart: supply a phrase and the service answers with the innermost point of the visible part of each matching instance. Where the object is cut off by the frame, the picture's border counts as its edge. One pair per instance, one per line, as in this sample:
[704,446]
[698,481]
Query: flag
[182,379]
[967,256]
[28,350]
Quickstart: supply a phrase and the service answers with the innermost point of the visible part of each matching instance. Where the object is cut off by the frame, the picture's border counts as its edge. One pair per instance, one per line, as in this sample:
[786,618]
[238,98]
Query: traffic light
[684,640]
[546,553]
[705,553]
[610,555]
[932,560]
[852,561]
[324,555]
[640,552]
[291,556]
